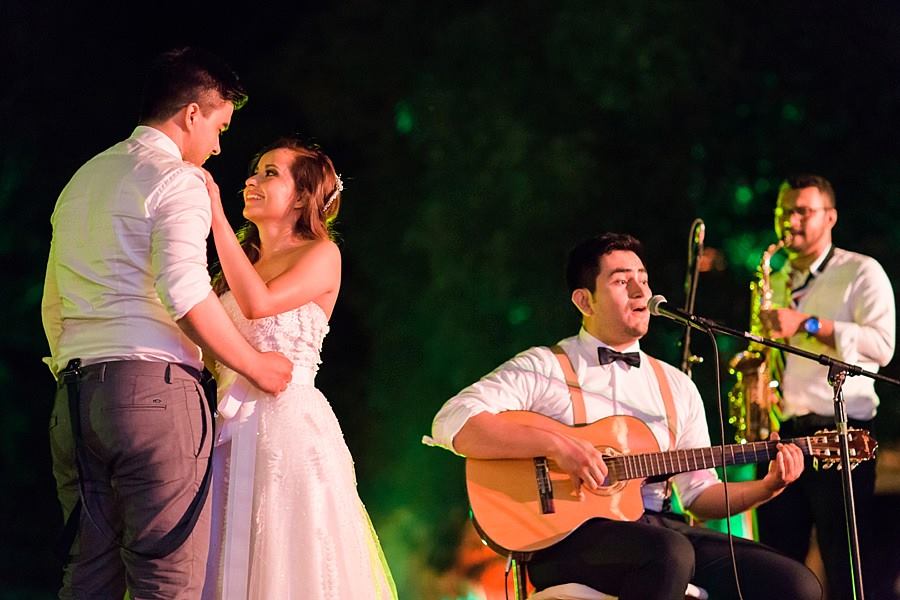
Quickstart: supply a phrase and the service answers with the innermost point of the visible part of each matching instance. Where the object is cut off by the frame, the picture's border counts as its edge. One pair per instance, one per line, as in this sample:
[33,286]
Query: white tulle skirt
[287,519]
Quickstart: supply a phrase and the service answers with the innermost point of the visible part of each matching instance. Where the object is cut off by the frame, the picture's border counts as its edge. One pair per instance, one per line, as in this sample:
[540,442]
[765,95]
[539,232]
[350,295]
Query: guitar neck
[636,466]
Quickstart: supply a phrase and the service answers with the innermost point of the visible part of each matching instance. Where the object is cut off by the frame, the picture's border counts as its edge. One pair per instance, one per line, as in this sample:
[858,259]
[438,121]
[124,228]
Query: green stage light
[403,117]
[743,196]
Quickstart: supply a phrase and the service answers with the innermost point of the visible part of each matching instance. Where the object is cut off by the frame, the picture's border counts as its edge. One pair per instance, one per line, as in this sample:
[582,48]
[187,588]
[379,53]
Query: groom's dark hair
[179,77]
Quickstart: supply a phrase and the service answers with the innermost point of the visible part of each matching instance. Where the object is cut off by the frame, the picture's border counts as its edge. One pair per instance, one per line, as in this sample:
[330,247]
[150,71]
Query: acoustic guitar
[523,505]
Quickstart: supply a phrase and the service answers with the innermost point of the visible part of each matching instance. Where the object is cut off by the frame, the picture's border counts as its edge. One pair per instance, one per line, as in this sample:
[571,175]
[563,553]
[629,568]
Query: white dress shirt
[854,291]
[533,380]
[128,256]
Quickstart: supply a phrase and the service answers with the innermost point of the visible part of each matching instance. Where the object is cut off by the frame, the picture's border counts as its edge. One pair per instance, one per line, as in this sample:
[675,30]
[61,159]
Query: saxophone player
[839,303]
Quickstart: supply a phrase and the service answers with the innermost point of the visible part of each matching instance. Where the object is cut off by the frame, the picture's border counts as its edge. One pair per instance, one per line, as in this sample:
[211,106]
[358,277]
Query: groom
[127,301]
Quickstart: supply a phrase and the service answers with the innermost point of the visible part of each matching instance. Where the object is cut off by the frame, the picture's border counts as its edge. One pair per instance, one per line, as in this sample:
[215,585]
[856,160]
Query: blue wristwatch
[811,326]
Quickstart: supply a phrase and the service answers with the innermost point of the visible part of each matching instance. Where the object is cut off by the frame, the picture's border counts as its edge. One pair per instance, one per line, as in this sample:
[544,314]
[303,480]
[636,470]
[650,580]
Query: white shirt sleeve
[51,311]
[181,219]
[869,336]
[515,385]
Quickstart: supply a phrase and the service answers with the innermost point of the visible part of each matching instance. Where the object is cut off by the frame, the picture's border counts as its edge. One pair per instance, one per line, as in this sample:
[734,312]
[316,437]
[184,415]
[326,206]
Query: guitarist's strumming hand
[580,460]
[785,468]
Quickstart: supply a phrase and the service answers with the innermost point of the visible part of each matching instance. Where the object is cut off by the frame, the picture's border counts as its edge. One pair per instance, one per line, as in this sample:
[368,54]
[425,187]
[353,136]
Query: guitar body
[522,505]
[505,494]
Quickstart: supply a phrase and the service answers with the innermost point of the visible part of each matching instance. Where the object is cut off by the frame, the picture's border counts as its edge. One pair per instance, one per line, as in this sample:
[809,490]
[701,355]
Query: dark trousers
[656,557]
[147,435]
[817,498]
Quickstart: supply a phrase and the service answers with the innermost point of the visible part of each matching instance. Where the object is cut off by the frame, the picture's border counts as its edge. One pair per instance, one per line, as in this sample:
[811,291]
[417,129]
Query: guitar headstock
[825,447]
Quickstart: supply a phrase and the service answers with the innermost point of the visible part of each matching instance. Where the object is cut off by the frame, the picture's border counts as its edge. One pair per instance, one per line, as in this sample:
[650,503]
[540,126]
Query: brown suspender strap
[666,391]
[578,414]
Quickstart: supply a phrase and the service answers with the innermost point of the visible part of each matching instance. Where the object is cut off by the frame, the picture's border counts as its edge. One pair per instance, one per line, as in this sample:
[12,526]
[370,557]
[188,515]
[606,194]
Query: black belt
[114,368]
[812,422]
[71,377]
[666,514]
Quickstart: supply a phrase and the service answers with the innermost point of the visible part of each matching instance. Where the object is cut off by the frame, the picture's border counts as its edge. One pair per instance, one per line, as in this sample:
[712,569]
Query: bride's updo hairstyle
[318,188]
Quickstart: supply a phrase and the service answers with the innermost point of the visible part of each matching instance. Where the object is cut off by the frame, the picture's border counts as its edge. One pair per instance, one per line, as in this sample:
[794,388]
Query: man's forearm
[742,496]
[209,326]
[487,435]
[826,333]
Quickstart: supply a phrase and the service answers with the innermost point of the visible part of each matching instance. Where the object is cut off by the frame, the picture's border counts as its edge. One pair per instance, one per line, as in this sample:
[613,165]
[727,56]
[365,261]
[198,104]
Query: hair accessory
[338,188]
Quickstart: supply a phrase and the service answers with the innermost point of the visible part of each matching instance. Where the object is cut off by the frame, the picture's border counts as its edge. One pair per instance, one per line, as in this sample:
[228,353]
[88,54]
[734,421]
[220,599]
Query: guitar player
[657,555]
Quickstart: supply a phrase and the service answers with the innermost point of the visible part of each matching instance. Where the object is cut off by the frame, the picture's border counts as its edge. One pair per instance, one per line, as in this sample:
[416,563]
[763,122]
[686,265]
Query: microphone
[658,307]
[699,229]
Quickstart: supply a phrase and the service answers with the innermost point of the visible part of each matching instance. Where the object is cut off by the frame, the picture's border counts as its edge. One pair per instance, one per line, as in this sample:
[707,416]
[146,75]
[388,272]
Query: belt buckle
[72,372]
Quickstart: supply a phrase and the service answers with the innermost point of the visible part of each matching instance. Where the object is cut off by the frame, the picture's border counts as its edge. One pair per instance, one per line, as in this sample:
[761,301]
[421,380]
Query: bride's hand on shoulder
[215,197]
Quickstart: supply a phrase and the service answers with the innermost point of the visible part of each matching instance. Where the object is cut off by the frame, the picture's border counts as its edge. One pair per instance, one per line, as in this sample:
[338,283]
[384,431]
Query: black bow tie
[608,355]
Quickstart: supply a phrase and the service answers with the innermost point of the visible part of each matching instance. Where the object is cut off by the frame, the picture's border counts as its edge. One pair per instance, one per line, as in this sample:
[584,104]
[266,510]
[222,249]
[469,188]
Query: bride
[287,519]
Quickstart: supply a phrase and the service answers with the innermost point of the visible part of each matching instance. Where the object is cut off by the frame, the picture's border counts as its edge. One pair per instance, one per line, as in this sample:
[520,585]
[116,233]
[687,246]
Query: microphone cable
[737,579]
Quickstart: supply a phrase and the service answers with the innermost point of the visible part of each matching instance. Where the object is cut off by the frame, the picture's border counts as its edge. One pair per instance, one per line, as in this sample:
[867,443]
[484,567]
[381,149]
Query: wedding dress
[287,519]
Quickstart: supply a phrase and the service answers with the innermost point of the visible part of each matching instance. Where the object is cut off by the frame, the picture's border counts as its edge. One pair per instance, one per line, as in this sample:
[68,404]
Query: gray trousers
[147,435]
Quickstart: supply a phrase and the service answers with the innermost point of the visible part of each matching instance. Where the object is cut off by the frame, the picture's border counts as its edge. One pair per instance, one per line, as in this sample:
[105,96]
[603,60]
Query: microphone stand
[695,251]
[838,371]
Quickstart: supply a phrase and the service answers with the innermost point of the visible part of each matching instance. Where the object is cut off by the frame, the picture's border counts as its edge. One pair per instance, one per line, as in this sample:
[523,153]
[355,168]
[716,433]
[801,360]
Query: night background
[477,141]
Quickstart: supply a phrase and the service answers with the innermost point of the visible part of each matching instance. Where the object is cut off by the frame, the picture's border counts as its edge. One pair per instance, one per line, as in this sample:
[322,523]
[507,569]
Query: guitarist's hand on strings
[581,461]
[785,468]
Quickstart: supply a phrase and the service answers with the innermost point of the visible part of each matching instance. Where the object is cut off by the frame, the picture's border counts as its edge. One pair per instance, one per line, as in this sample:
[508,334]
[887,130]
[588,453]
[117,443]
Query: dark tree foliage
[478,141]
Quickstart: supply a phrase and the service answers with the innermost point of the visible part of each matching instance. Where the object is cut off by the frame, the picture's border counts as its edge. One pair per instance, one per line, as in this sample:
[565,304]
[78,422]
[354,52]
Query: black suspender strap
[71,378]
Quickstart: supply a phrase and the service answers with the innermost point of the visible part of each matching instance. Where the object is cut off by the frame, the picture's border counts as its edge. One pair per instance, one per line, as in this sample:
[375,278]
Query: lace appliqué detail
[297,333]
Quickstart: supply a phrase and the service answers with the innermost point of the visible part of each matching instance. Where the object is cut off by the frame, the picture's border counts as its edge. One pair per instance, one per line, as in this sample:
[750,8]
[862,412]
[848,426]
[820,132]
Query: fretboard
[635,466]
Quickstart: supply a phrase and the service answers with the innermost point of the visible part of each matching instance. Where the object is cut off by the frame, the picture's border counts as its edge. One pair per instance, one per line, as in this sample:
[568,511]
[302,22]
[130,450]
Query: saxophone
[754,400]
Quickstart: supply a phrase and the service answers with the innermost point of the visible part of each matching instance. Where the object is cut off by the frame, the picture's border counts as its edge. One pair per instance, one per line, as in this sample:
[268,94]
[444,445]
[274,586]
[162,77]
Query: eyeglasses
[801,211]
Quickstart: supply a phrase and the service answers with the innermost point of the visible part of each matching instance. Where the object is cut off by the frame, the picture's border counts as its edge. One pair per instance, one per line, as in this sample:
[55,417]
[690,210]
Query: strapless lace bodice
[297,333]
